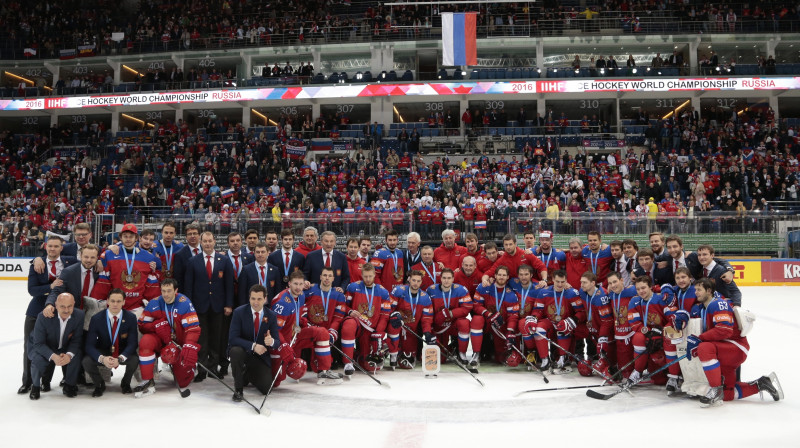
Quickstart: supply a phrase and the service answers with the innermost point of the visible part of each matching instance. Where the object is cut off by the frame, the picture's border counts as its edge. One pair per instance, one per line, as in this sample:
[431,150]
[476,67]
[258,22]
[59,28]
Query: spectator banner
[29,52]
[14,268]
[85,51]
[117,36]
[67,54]
[296,149]
[604,143]
[459,39]
[385,90]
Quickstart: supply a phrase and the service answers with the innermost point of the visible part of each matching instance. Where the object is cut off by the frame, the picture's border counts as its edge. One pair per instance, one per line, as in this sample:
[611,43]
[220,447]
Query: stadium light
[634,70]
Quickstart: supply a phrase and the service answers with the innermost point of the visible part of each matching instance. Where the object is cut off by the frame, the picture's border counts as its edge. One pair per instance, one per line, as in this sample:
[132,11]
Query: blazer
[45,336]
[241,331]
[179,262]
[97,338]
[39,286]
[660,276]
[244,260]
[249,277]
[411,260]
[692,263]
[71,276]
[315,261]
[70,249]
[212,294]
[297,262]
[728,290]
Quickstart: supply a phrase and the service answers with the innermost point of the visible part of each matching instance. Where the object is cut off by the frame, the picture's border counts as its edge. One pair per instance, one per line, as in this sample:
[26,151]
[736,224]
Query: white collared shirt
[83,278]
[59,266]
[62,324]
[710,266]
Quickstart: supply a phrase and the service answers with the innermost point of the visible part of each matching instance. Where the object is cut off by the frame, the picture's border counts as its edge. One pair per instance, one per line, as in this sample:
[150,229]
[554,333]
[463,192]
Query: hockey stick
[185,392]
[274,377]
[448,354]
[558,388]
[630,363]
[625,387]
[579,360]
[524,358]
[355,364]
[213,375]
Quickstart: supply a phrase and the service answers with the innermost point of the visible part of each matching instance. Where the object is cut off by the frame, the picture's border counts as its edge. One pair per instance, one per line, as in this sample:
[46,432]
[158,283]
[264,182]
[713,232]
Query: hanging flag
[30,52]
[227,193]
[459,39]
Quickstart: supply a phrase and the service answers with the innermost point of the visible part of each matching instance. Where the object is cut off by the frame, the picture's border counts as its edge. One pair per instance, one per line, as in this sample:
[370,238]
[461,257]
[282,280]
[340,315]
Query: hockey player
[552,258]
[557,313]
[499,306]
[322,301]
[170,329]
[451,306]
[598,255]
[468,275]
[292,312]
[647,316]
[599,319]
[430,270]
[388,262]
[129,270]
[512,258]
[410,306]
[620,298]
[364,316]
[722,349]
[683,300]
[528,294]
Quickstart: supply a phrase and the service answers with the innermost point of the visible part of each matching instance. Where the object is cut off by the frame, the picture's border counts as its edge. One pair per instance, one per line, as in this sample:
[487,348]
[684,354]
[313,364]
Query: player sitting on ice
[722,348]
[170,329]
[452,304]
[411,307]
[296,334]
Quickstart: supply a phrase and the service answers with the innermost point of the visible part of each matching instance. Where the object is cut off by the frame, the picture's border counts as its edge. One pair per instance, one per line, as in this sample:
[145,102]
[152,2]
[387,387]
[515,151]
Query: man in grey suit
[58,341]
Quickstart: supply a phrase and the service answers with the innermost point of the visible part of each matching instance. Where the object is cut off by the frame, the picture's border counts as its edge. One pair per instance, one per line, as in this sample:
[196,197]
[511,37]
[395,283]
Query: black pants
[92,367]
[210,338]
[247,367]
[40,366]
[226,326]
[47,375]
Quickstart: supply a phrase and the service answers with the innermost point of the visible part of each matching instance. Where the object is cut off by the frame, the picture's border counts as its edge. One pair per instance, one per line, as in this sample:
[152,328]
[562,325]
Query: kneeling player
[599,321]
[558,312]
[498,304]
[647,316]
[412,307]
[621,297]
[451,306]
[296,333]
[170,328]
[365,314]
[722,349]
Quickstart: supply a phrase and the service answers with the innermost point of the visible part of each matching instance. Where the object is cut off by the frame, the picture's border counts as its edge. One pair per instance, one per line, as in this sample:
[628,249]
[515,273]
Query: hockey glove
[566,326]
[446,314]
[430,339]
[163,331]
[668,293]
[496,320]
[334,335]
[396,319]
[511,341]
[654,340]
[691,346]
[530,325]
[602,346]
[286,352]
[680,319]
[189,354]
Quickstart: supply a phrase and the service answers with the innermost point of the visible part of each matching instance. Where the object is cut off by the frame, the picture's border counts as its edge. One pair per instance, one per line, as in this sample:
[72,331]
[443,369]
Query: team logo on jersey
[317,313]
[622,317]
[551,311]
[654,318]
[130,281]
[192,319]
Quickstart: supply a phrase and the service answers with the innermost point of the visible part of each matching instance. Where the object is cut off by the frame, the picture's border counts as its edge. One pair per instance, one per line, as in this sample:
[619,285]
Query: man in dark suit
[112,341]
[259,273]
[715,271]
[58,341]
[254,329]
[279,258]
[330,258]
[676,257]
[239,258]
[73,280]
[191,249]
[209,285]
[647,266]
[83,235]
[39,286]
[412,255]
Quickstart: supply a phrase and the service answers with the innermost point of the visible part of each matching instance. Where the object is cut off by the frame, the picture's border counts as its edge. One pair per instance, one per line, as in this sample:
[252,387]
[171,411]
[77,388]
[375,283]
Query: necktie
[256,321]
[263,275]
[287,258]
[87,280]
[195,251]
[677,264]
[629,268]
[53,273]
[705,272]
[115,352]
[619,266]
[236,262]
[327,260]
[208,266]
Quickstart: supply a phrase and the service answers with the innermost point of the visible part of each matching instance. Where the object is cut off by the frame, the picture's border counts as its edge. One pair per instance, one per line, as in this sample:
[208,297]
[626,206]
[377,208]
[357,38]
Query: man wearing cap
[552,258]
[129,270]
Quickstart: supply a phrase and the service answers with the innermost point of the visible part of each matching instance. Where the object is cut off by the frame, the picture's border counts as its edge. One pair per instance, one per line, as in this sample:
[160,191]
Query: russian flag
[227,193]
[459,39]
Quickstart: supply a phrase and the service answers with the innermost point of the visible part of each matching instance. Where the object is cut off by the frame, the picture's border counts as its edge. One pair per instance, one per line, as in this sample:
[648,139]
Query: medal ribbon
[113,336]
[449,296]
[594,260]
[129,265]
[558,301]
[499,302]
[325,300]
[296,303]
[168,308]
[546,261]
[394,257]
[646,307]
[590,303]
[429,272]
[682,297]
[370,296]
[167,255]
[286,266]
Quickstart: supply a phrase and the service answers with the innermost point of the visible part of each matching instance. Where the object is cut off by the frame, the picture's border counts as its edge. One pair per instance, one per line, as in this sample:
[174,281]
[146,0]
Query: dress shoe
[98,391]
[24,389]
[46,387]
[223,370]
[61,384]
[34,393]
[70,391]
[238,395]
[126,388]
[200,377]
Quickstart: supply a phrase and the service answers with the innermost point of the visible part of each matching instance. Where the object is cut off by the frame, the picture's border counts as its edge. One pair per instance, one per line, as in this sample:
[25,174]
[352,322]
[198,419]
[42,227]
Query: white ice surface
[415,412]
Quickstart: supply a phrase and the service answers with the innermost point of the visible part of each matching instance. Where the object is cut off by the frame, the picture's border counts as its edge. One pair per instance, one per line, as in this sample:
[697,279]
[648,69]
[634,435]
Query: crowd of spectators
[690,166]
[46,27]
